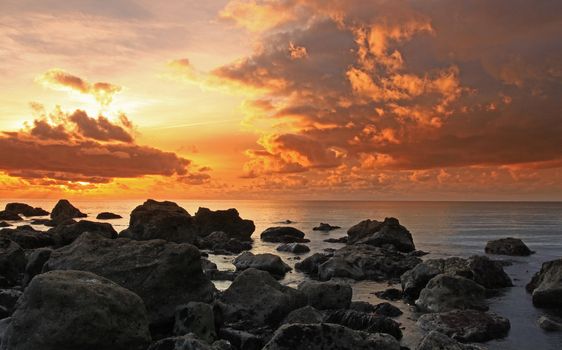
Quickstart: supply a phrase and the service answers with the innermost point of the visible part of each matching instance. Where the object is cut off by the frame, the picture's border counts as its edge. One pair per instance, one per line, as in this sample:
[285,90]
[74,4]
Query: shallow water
[441,228]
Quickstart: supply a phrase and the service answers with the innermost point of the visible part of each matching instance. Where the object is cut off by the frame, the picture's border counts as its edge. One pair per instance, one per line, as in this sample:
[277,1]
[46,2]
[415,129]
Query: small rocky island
[82,285]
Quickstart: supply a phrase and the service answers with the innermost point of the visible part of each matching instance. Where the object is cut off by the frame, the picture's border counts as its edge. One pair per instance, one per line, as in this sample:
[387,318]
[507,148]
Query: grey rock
[307,314]
[327,295]
[283,234]
[435,340]
[296,248]
[311,263]
[382,234]
[8,300]
[63,211]
[197,318]
[35,262]
[265,262]
[362,321]
[445,293]
[12,263]
[546,285]
[241,339]
[508,246]
[549,324]
[184,342]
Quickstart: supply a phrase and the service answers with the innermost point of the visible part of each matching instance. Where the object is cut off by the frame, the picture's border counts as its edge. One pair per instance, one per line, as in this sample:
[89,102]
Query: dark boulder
[229,221]
[196,318]
[508,246]
[546,285]
[283,234]
[327,295]
[391,294]
[184,342]
[336,240]
[325,227]
[311,263]
[8,300]
[240,339]
[108,216]
[4,224]
[219,242]
[435,340]
[295,248]
[25,209]
[265,262]
[362,321]
[446,292]
[12,263]
[63,211]
[66,234]
[388,233]
[35,262]
[550,324]
[387,309]
[77,310]
[27,237]
[9,216]
[466,325]
[306,314]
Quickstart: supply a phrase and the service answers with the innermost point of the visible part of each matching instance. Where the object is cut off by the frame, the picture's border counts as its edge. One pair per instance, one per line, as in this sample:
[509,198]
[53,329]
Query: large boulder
[546,285]
[9,216]
[63,211]
[295,248]
[256,299]
[35,262]
[327,295]
[550,324]
[229,221]
[363,321]
[388,233]
[310,264]
[196,318]
[8,300]
[163,274]
[283,234]
[27,237]
[466,325]
[265,262]
[306,314]
[25,209]
[220,242]
[435,340]
[508,246]
[77,310]
[362,261]
[12,263]
[66,234]
[326,336]
[446,292]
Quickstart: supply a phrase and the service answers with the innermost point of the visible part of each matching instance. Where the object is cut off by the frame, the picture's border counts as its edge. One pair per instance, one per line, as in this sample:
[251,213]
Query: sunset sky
[281,99]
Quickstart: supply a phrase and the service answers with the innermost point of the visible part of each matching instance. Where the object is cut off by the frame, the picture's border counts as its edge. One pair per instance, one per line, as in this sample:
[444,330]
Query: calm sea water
[441,228]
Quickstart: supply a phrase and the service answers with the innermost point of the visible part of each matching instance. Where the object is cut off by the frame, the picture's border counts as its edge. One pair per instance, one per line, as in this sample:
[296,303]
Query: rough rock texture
[229,221]
[508,246]
[8,299]
[311,263]
[327,295]
[27,237]
[362,261]
[550,324]
[10,216]
[546,285]
[283,234]
[25,209]
[257,299]
[240,339]
[163,274]
[326,336]
[306,314]
[435,340]
[77,310]
[66,234]
[185,342]
[265,262]
[63,210]
[12,263]
[445,293]
[108,216]
[197,318]
[366,322]
[4,224]
[35,262]
[295,248]
[388,233]
[325,227]
[220,242]
[466,325]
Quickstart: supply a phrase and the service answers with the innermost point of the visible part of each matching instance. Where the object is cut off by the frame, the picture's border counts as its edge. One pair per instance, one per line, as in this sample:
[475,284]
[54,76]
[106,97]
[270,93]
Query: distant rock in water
[208,221]
[66,234]
[108,216]
[283,234]
[9,216]
[27,237]
[546,285]
[296,248]
[25,209]
[508,246]
[386,234]
[63,210]
[325,227]
[265,262]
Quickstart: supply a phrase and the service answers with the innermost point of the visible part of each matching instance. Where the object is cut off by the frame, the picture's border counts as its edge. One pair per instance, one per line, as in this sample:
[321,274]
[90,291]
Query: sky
[281,99]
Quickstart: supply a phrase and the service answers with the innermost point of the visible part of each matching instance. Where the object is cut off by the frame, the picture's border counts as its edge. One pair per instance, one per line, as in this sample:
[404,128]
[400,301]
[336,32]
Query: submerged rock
[435,340]
[296,248]
[27,237]
[12,263]
[25,209]
[336,240]
[325,227]
[98,314]
[546,285]
[283,234]
[388,233]
[63,210]
[445,293]
[265,262]
[327,295]
[66,234]
[108,216]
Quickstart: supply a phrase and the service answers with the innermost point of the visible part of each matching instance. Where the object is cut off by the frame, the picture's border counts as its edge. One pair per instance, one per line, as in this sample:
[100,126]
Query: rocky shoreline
[83,285]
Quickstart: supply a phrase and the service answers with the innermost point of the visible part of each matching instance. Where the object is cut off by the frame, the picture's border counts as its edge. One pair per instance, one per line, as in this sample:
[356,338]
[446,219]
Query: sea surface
[442,228]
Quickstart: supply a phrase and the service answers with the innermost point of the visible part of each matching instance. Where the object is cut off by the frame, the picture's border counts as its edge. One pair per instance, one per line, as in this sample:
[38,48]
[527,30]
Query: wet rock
[184,342]
[362,261]
[163,274]
[283,234]
[391,294]
[371,323]
[466,325]
[508,246]
[295,248]
[325,227]
[27,237]
[35,262]
[327,295]
[197,318]
[307,314]
[208,221]
[98,314]
[240,339]
[219,242]
[211,270]
[256,299]
[311,263]
[265,262]
[336,240]
[546,285]
[387,309]
[4,224]
[66,234]
[326,336]
[435,340]
[12,263]
[25,209]
[488,273]
[9,216]
[108,216]
[388,233]
[63,210]
[549,324]
[446,292]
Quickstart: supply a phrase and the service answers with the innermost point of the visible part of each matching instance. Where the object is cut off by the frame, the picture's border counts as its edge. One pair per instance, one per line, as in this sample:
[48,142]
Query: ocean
[443,229]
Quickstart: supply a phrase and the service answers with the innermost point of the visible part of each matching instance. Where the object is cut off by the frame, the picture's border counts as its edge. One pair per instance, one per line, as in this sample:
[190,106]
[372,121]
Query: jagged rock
[362,261]
[66,234]
[326,336]
[163,274]
[307,314]
[466,325]
[219,242]
[229,221]
[4,224]
[549,324]
[12,263]
[391,294]
[388,233]
[265,262]
[362,321]
[446,292]
[546,285]
[435,340]
[327,295]
[197,318]
[108,216]
[25,209]
[77,310]
[508,246]
[325,227]
[257,299]
[336,240]
[35,262]
[240,339]
[9,216]
[283,234]
[63,211]
[311,263]
[296,248]
[27,237]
